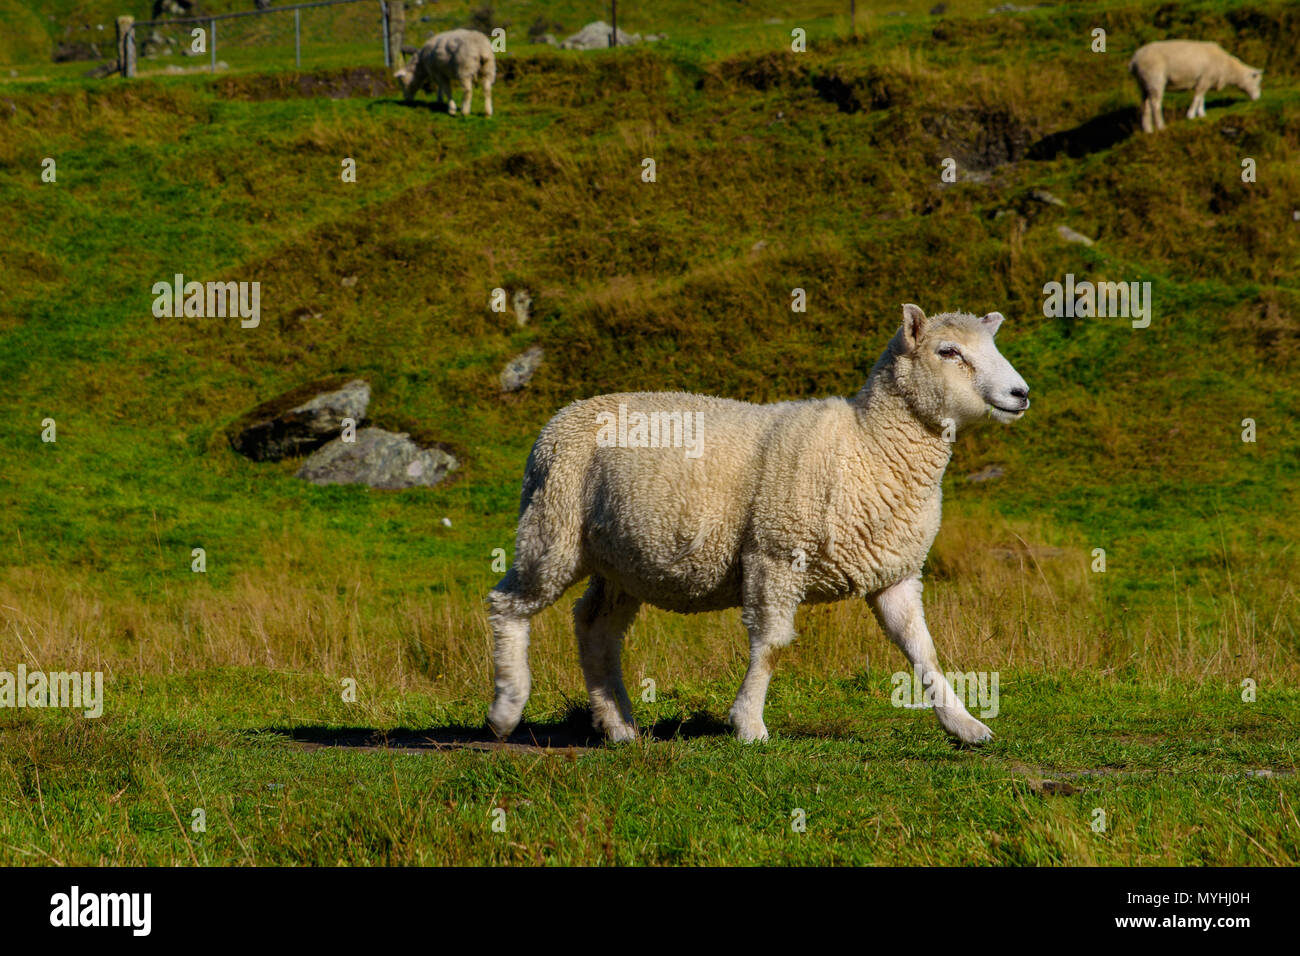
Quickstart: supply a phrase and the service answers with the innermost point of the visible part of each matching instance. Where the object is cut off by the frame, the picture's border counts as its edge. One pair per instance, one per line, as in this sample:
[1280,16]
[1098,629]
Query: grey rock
[991,473]
[272,431]
[520,369]
[1043,196]
[547,38]
[1069,235]
[522,302]
[379,459]
[595,36]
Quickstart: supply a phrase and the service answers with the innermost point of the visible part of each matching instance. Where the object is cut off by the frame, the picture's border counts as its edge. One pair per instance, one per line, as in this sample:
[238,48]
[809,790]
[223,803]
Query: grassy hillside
[776,170]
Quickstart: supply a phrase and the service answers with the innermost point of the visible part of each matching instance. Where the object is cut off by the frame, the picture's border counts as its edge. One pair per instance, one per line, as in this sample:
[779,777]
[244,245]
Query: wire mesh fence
[315,34]
[324,33]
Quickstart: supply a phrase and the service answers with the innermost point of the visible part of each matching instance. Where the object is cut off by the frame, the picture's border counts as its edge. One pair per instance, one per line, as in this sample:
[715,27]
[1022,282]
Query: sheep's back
[1181,62]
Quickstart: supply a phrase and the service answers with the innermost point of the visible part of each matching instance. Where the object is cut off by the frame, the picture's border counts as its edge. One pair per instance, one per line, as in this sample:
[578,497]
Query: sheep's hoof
[971,731]
[750,732]
[621,734]
[503,718]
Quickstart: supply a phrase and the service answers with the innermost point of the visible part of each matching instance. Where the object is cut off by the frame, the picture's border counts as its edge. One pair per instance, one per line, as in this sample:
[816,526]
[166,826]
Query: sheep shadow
[570,733]
[1099,133]
[429,106]
[1110,129]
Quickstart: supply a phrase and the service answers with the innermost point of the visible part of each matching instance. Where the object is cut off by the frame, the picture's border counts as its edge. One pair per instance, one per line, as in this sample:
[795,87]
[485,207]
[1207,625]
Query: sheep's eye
[949,351]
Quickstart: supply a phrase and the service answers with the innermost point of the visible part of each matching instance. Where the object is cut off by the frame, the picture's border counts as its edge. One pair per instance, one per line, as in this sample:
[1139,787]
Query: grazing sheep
[1187,65]
[462,56]
[694,503]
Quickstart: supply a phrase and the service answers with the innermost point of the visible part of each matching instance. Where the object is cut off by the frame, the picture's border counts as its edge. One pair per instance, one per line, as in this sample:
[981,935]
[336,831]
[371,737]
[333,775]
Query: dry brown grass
[1000,596]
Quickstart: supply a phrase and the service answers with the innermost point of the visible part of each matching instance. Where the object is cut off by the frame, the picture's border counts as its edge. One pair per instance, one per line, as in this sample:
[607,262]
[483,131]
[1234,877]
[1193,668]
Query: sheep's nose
[1020,391]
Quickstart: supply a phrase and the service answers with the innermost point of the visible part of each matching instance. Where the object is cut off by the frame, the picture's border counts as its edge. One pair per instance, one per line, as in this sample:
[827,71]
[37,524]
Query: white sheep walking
[1187,65]
[694,503]
[462,56]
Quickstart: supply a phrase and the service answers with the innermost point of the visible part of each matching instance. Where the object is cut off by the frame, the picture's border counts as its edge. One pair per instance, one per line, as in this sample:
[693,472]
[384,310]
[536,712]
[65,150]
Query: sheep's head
[1251,80]
[405,75]
[947,368]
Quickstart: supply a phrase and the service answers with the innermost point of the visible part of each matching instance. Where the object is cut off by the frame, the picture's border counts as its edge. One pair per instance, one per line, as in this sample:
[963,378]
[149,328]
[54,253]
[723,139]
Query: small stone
[522,302]
[520,369]
[1069,235]
[991,473]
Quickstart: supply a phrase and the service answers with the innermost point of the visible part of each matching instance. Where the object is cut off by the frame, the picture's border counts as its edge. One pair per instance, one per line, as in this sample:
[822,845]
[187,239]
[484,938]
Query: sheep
[457,55]
[1187,65]
[763,507]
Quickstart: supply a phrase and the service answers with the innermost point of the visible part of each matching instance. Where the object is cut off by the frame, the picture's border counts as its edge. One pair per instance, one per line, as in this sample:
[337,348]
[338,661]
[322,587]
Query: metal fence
[333,32]
[325,28]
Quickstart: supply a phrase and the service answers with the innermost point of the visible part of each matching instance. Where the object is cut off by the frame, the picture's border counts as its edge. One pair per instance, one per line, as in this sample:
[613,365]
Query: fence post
[297,38]
[396,32]
[212,45]
[613,28]
[126,46]
[388,51]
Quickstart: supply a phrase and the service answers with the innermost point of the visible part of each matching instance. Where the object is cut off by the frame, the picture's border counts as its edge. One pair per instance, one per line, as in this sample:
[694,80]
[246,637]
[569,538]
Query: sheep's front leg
[901,615]
[768,615]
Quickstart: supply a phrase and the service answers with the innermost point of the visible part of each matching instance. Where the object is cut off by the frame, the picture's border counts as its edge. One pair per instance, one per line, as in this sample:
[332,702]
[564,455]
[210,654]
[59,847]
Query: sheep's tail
[548,542]
[535,472]
[487,68]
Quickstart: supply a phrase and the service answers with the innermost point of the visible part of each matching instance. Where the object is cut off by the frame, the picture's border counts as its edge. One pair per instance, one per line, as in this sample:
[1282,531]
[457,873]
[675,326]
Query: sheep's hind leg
[901,615]
[600,619]
[468,86]
[512,605]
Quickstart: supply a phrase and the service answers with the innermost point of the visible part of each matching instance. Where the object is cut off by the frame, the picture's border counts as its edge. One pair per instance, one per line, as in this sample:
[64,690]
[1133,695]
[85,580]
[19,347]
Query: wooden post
[396,33]
[613,28]
[126,46]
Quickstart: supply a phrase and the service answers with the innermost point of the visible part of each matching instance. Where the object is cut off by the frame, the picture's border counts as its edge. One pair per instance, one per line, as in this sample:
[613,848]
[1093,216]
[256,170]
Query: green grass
[819,171]
[1174,770]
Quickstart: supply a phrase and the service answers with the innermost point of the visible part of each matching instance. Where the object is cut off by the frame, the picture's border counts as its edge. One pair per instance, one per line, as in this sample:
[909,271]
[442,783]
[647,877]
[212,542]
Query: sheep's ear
[992,322]
[914,321]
